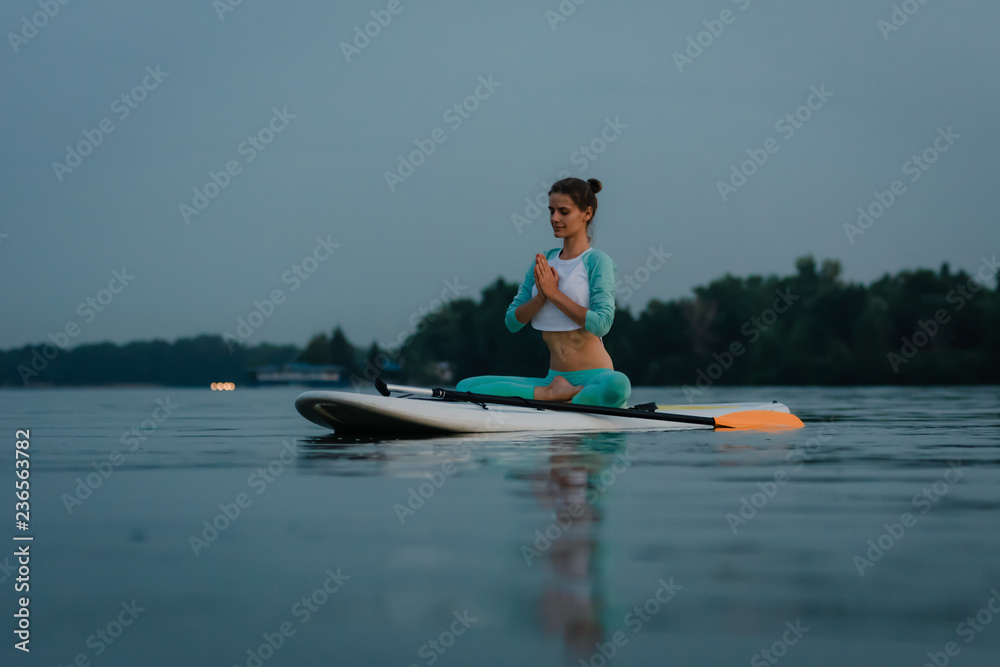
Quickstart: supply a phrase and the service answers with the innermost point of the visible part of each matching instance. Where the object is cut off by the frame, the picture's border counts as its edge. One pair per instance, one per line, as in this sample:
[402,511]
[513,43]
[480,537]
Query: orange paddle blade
[758,419]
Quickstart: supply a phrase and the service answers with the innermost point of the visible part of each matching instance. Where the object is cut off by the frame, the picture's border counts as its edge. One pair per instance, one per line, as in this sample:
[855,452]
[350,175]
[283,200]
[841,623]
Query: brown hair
[582,192]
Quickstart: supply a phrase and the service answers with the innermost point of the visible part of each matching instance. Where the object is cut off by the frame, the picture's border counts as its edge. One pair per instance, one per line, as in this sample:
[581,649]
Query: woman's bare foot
[558,390]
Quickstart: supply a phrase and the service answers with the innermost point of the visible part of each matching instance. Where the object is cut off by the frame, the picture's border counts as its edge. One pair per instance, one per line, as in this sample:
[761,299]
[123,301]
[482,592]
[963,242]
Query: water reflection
[570,476]
[580,471]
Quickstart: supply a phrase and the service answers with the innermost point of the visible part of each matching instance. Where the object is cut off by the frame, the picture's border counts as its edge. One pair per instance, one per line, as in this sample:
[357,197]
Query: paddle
[745,419]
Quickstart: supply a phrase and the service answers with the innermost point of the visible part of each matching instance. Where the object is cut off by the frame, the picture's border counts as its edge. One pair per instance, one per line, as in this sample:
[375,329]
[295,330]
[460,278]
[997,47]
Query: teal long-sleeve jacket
[602,274]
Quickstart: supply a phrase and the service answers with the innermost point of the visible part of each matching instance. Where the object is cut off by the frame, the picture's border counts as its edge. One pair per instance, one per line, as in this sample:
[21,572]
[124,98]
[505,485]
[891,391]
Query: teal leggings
[601,386]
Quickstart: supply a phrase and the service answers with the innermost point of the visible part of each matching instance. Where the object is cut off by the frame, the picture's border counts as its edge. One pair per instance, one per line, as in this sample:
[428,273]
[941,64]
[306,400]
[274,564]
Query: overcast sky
[664,120]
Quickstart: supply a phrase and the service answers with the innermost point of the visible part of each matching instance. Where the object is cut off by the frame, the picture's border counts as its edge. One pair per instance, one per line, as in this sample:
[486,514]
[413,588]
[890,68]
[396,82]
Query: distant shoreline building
[313,375]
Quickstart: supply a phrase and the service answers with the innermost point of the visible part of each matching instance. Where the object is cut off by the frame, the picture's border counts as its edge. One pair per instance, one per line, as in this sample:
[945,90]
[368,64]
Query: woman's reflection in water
[578,477]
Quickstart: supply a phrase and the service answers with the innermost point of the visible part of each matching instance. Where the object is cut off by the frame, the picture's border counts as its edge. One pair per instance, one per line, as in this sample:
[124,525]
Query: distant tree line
[915,327]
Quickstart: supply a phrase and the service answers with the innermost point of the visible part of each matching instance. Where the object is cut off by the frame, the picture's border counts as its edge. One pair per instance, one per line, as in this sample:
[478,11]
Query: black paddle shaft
[469,397]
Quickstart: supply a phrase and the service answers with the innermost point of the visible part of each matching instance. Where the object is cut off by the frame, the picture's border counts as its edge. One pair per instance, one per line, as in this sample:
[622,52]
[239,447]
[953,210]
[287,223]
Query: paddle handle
[386,389]
[434,392]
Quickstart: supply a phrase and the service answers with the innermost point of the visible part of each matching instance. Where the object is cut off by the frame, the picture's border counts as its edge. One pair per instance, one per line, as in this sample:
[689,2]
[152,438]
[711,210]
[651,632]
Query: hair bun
[595,185]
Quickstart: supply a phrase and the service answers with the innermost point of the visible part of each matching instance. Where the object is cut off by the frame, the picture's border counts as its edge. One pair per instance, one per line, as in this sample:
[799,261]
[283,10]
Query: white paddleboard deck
[349,412]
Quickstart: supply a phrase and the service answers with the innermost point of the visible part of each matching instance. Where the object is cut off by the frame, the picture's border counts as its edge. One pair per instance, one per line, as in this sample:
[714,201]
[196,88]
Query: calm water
[686,548]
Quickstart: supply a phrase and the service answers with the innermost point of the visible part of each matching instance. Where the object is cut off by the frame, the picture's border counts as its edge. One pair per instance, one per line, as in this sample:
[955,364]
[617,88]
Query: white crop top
[573,282]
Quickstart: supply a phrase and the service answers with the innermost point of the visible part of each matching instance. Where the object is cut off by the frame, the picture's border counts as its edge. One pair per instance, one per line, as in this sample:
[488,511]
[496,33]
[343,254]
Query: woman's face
[565,217]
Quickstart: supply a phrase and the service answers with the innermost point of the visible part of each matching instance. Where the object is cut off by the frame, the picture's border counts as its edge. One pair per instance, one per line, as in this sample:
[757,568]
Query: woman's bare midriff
[576,351]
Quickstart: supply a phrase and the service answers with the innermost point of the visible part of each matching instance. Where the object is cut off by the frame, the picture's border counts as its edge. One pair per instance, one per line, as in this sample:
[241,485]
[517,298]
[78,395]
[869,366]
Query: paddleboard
[349,412]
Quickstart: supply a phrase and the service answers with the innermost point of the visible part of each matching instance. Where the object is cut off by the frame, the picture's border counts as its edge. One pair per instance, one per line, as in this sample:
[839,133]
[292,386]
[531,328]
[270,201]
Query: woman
[568,294]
